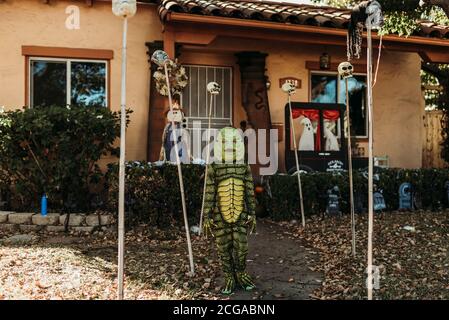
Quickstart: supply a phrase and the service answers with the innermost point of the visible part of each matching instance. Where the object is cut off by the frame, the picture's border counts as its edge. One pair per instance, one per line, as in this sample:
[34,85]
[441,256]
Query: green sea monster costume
[229,209]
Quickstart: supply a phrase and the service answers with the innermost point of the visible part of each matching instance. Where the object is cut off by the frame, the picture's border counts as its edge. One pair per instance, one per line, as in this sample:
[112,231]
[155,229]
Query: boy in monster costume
[229,207]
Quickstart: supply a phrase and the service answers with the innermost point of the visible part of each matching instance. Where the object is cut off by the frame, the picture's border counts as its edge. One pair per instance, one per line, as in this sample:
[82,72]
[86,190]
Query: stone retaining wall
[53,222]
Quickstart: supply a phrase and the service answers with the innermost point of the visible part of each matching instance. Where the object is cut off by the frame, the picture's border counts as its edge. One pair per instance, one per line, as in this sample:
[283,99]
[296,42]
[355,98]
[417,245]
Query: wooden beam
[59,52]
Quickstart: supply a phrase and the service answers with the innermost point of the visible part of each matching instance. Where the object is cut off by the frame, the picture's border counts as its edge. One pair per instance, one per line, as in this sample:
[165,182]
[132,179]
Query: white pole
[298,172]
[351,181]
[207,163]
[181,180]
[121,205]
[370,164]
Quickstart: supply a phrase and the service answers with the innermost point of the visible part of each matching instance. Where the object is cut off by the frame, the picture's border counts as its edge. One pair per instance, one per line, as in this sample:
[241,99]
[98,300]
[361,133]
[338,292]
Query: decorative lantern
[325,61]
[124,8]
[405,196]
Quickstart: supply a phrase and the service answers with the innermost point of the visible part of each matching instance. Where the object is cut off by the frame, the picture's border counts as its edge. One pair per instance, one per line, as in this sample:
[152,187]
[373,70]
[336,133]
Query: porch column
[254,95]
[254,88]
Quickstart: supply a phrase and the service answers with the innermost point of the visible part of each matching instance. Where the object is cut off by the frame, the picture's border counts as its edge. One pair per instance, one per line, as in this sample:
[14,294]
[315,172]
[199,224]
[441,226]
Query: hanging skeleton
[366,11]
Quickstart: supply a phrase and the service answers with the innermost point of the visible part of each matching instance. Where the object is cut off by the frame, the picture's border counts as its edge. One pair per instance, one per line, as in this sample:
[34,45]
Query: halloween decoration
[229,207]
[345,70]
[175,116]
[331,140]
[333,206]
[379,201]
[367,14]
[405,196]
[124,9]
[307,140]
[177,75]
[325,61]
[214,90]
[290,89]
[161,59]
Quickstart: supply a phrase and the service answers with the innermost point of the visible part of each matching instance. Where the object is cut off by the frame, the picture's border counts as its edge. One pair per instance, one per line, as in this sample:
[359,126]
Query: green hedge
[283,202]
[55,150]
[152,192]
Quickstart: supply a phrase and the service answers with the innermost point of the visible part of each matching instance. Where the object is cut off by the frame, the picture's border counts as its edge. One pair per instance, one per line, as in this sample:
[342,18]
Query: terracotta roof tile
[280,12]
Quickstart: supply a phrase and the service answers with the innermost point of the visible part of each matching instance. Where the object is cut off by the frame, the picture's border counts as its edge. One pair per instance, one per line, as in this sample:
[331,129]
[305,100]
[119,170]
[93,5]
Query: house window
[327,88]
[62,82]
[196,99]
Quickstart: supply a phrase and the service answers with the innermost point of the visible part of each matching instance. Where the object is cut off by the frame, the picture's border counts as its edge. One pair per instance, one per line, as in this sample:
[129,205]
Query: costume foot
[229,285]
[245,281]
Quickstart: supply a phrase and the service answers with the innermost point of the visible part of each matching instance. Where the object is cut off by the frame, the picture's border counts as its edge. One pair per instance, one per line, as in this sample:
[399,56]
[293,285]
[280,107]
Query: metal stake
[297,162]
[122,168]
[181,180]
[207,162]
[371,162]
[351,181]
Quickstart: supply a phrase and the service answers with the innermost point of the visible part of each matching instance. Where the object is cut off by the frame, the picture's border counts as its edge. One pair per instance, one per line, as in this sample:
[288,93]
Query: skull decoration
[375,18]
[289,88]
[160,58]
[124,8]
[345,70]
[213,88]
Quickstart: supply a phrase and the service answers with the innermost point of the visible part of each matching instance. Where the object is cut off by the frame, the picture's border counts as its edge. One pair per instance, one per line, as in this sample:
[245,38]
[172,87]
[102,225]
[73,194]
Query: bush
[55,150]
[152,192]
[283,203]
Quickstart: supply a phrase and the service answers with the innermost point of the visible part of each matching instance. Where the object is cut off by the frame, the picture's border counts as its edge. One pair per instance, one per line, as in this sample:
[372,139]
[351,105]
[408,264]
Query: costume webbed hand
[208,225]
[251,222]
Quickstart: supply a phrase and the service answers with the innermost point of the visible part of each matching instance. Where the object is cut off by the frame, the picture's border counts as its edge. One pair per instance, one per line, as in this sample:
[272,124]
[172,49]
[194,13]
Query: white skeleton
[345,70]
[213,88]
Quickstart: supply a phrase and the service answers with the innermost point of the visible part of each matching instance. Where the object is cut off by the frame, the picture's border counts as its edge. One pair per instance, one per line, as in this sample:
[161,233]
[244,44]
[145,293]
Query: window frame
[231,87]
[68,62]
[335,73]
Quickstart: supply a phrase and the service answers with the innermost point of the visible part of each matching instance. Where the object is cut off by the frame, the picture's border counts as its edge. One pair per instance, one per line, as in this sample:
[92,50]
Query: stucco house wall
[398,101]
[397,94]
[33,23]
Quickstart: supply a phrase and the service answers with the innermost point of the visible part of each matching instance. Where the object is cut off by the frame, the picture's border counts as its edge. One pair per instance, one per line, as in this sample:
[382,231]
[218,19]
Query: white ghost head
[124,8]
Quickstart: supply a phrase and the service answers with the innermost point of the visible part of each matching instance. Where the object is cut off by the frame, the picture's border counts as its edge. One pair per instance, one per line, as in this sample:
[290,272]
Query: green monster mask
[229,146]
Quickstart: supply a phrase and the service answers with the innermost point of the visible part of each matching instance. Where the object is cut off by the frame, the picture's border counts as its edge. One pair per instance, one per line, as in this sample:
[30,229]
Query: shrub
[152,192]
[55,150]
[281,199]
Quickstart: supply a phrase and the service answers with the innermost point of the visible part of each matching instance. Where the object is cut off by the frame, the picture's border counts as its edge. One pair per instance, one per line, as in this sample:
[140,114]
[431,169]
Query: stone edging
[53,222]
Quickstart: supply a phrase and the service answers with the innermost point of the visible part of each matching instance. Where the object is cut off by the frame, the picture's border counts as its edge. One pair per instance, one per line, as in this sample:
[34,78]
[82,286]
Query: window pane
[48,83]
[357,104]
[88,84]
[324,88]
